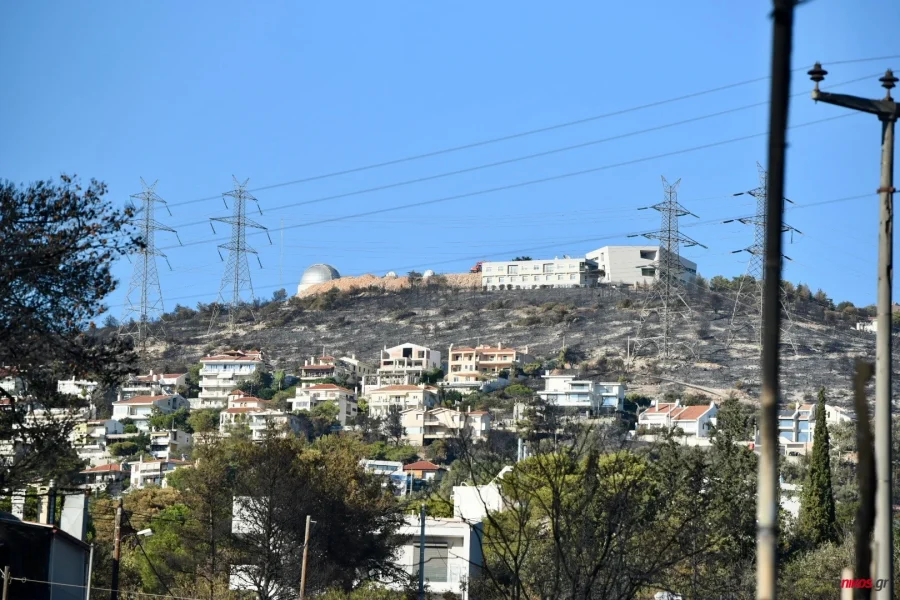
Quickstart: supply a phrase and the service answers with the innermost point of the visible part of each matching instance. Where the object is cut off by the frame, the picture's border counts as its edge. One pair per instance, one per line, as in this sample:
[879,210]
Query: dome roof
[428,273]
[319,273]
[390,274]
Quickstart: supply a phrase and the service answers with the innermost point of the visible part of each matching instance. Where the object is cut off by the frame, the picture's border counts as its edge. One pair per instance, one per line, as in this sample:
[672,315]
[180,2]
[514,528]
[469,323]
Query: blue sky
[193,93]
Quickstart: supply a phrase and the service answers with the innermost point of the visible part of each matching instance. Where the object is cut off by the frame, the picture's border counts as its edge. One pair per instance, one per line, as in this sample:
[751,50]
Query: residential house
[453,554]
[221,373]
[594,398]
[393,474]
[140,408]
[424,470]
[76,387]
[696,421]
[869,325]
[154,384]
[11,383]
[309,397]
[471,503]
[565,272]
[109,477]
[835,415]
[422,426]
[634,265]
[402,365]
[383,400]
[153,472]
[90,439]
[348,368]
[172,443]
[381,467]
[469,368]
[257,415]
[796,425]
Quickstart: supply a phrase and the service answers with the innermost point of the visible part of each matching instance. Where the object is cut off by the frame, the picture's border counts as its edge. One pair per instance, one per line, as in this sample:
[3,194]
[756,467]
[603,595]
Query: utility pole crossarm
[875,107]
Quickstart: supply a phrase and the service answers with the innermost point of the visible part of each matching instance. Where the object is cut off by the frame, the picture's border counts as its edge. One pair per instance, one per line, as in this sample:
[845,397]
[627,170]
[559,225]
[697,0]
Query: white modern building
[594,398]
[153,384]
[90,439]
[222,373]
[633,265]
[140,408]
[452,553]
[693,421]
[562,272]
[310,397]
[173,443]
[153,472]
[402,365]
[76,387]
[317,368]
[11,383]
[402,397]
[472,503]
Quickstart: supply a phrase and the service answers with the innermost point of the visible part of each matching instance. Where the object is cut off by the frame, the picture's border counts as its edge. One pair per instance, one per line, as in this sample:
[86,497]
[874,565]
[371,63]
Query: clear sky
[192,93]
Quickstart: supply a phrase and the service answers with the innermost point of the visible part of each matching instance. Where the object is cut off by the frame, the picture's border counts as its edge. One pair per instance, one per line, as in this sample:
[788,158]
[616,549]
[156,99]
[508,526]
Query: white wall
[623,264]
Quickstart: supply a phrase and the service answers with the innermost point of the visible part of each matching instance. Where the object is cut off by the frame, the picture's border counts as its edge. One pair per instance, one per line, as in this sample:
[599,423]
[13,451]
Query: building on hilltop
[405,364]
[400,397]
[595,399]
[76,387]
[468,369]
[153,472]
[633,265]
[309,397]
[316,274]
[90,439]
[423,426]
[140,408]
[566,272]
[222,373]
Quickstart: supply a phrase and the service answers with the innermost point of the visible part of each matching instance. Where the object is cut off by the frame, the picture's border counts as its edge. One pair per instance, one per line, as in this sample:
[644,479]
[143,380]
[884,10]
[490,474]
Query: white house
[562,272]
[631,265]
[316,368]
[76,387]
[422,426]
[90,439]
[472,503]
[565,390]
[221,373]
[694,421]
[153,472]
[173,443]
[402,397]
[11,383]
[104,477]
[402,365]
[139,408]
[153,384]
[836,414]
[870,325]
[452,553]
[309,397]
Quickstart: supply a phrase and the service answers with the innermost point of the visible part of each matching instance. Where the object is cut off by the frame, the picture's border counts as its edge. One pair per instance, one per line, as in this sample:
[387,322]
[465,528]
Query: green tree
[517,390]
[130,428]
[58,241]
[123,449]
[817,509]
[191,387]
[393,425]
[161,421]
[204,420]
[735,419]
[327,411]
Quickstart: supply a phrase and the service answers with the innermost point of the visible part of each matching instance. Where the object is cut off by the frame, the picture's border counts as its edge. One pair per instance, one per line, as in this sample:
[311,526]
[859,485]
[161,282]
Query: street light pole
[887,112]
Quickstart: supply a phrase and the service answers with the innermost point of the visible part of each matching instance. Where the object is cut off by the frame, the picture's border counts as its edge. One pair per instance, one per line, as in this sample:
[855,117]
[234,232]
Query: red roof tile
[422,465]
[327,386]
[690,413]
[112,467]
[144,399]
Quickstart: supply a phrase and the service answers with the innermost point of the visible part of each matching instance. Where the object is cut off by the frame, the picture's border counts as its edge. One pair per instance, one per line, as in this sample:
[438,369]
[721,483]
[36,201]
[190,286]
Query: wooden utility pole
[117,554]
[767,486]
[305,552]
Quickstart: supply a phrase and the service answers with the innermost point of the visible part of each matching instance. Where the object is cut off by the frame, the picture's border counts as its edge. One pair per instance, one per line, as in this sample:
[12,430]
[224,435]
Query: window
[548,267]
[488,269]
[648,254]
[559,277]
[648,272]
[572,276]
[513,279]
[436,562]
[502,279]
[512,269]
[537,267]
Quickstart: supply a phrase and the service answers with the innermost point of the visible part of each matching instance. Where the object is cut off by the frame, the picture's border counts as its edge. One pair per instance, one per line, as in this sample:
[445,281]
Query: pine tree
[817,518]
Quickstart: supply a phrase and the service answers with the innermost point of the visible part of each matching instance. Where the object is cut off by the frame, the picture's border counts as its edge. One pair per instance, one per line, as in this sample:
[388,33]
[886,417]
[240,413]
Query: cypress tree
[817,518]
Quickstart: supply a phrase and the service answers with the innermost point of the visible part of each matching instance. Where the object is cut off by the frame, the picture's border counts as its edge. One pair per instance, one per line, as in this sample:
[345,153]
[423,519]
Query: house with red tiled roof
[691,420]
[345,368]
[382,400]
[423,426]
[221,373]
[139,408]
[424,470]
[104,477]
[308,398]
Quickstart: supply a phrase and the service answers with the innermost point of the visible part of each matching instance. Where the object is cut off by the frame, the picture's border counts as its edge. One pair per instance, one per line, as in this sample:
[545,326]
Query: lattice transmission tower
[236,278]
[142,318]
[749,295]
[667,301]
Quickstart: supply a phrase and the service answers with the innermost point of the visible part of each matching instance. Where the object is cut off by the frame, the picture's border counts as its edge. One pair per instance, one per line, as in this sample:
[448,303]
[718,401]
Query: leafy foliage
[817,508]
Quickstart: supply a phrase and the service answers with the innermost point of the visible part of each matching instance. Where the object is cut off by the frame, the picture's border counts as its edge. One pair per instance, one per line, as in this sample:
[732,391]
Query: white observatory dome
[318,273]
[427,274]
[390,274]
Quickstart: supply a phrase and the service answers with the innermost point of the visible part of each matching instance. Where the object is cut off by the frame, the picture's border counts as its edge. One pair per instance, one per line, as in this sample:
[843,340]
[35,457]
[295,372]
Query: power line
[522,134]
[548,179]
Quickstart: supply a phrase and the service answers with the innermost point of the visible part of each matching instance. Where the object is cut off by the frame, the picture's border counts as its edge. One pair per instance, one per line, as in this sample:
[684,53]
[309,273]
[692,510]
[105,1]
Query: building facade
[140,408]
[469,368]
[402,365]
[76,387]
[402,397]
[153,472]
[422,427]
[173,443]
[221,373]
[633,265]
[594,398]
[695,421]
[317,368]
[532,274]
[153,384]
[310,397]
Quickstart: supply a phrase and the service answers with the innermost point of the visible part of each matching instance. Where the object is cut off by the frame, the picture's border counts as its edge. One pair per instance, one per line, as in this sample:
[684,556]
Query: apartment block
[422,426]
[310,397]
[383,400]
[222,373]
[140,408]
[594,398]
[153,384]
[533,274]
[633,265]
[469,368]
[317,368]
[153,472]
[402,365]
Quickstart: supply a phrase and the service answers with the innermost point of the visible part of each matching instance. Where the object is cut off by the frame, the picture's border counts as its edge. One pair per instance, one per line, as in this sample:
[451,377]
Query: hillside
[596,324]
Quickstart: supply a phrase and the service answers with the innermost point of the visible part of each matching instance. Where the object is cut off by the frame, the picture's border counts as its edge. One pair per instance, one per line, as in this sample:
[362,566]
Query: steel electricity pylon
[667,301]
[142,318]
[236,278]
[750,289]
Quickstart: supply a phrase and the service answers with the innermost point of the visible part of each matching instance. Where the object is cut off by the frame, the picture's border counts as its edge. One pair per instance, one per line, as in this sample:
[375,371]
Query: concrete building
[402,365]
[76,387]
[173,443]
[90,439]
[401,397]
[424,470]
[565,390]
[257,416]
[221,373]
[11,383]
[797,424]
[469,368]
[694,421]
[153,384]
[562,272]
[316,274]
[632,265]
[317,368]
[421,426]
[310,397]
[471,503]
[452,553]
[153,472]
[869,325]
[140,408]
[109,477]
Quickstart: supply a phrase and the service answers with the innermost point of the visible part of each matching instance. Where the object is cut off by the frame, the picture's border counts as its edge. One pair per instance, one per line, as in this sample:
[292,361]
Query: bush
[624,303]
